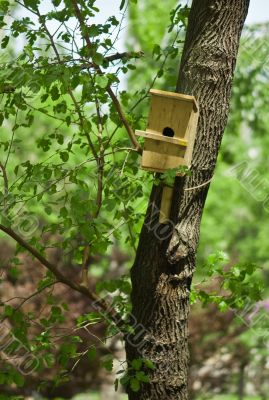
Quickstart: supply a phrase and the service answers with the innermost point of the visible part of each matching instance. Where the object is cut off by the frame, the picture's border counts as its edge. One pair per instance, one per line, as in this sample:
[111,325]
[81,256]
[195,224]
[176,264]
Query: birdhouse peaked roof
[177,96]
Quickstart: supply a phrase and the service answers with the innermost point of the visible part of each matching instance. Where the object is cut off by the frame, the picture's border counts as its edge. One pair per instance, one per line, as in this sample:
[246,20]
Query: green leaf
[68,120]
[8,311]
[116,384]
[134,384]
[98,58]
[137,364]
[93,31]
[64,156]
[102,81]
[44,97]
[131,66]
[18,379]
[149,364]
[48,210]
[156,49]
[4,6]
[60,107]
[223,306]
[107,363]
[63,212]
[91,354]
[122,4]
[142,377]
[124,380]
[54,92]
[32,3]
[4,42]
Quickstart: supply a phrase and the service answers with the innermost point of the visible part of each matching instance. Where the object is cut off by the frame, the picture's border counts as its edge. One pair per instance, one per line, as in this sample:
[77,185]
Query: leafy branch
[83,29]
[62,278]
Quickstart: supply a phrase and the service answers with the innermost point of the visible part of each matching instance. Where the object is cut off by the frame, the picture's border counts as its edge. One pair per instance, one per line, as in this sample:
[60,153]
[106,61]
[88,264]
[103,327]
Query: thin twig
[101,159]
[12,139]
[85,263]
[25,299]
[199,186]
[69,90]
[99,196]
[4,172]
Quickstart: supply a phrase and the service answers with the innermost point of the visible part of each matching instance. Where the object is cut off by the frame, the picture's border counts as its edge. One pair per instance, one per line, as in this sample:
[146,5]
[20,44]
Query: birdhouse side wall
[190,136]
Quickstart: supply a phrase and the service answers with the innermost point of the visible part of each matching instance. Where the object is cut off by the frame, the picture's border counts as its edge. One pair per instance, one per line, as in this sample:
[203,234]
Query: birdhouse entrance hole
[168,132]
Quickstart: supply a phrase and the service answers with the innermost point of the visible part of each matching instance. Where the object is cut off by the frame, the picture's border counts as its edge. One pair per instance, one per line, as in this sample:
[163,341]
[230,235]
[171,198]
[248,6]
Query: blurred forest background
[229,345]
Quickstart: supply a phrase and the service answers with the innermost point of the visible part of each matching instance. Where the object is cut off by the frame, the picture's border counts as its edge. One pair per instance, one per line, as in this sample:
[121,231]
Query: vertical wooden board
[172,122]
[191,134]
[166,203]
[181,117]
[158,113]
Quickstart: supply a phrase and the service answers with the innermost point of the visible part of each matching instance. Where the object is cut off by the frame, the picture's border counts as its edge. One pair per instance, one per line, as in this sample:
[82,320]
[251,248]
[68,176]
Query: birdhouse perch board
[171,130]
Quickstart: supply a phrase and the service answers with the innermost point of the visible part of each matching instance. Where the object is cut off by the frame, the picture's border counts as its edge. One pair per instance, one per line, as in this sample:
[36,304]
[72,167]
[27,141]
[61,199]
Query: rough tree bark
[165,259]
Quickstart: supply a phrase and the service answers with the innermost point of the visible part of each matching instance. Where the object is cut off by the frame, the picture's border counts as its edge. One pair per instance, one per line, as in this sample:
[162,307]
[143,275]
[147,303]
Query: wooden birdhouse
[171,130]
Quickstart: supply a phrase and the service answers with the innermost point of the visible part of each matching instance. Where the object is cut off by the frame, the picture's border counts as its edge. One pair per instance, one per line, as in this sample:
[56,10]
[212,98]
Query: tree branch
[114,57]
[125,54]
[63,279]
[69,90]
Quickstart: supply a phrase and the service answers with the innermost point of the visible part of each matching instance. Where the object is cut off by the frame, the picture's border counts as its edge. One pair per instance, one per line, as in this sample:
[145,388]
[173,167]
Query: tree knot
[181,245]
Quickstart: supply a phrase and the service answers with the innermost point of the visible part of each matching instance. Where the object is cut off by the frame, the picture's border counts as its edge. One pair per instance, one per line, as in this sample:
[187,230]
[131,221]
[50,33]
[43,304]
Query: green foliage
[136,374]
[56,96]
[242,154]
[168,177]
[235,287]
[161,40]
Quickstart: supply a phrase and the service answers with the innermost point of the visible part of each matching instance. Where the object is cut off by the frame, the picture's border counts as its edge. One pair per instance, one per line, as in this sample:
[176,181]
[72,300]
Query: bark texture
[165,260]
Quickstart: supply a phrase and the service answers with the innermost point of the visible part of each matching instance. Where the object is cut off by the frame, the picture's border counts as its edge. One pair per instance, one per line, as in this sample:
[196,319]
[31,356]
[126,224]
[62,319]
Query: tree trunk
[165,259]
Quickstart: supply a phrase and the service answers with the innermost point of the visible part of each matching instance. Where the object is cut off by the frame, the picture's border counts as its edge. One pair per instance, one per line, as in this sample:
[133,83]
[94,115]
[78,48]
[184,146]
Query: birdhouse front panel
[159,156]
[171,113]
[170,134]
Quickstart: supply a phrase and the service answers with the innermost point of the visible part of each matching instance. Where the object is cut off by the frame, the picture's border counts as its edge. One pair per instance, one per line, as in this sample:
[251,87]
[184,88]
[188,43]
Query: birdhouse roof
[172,95]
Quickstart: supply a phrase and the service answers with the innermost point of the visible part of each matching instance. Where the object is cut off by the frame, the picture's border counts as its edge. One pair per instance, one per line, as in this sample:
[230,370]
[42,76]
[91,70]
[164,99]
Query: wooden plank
[157,136]
[180,117]
[160,114]
[159,156]
[167,195]
[191,135]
